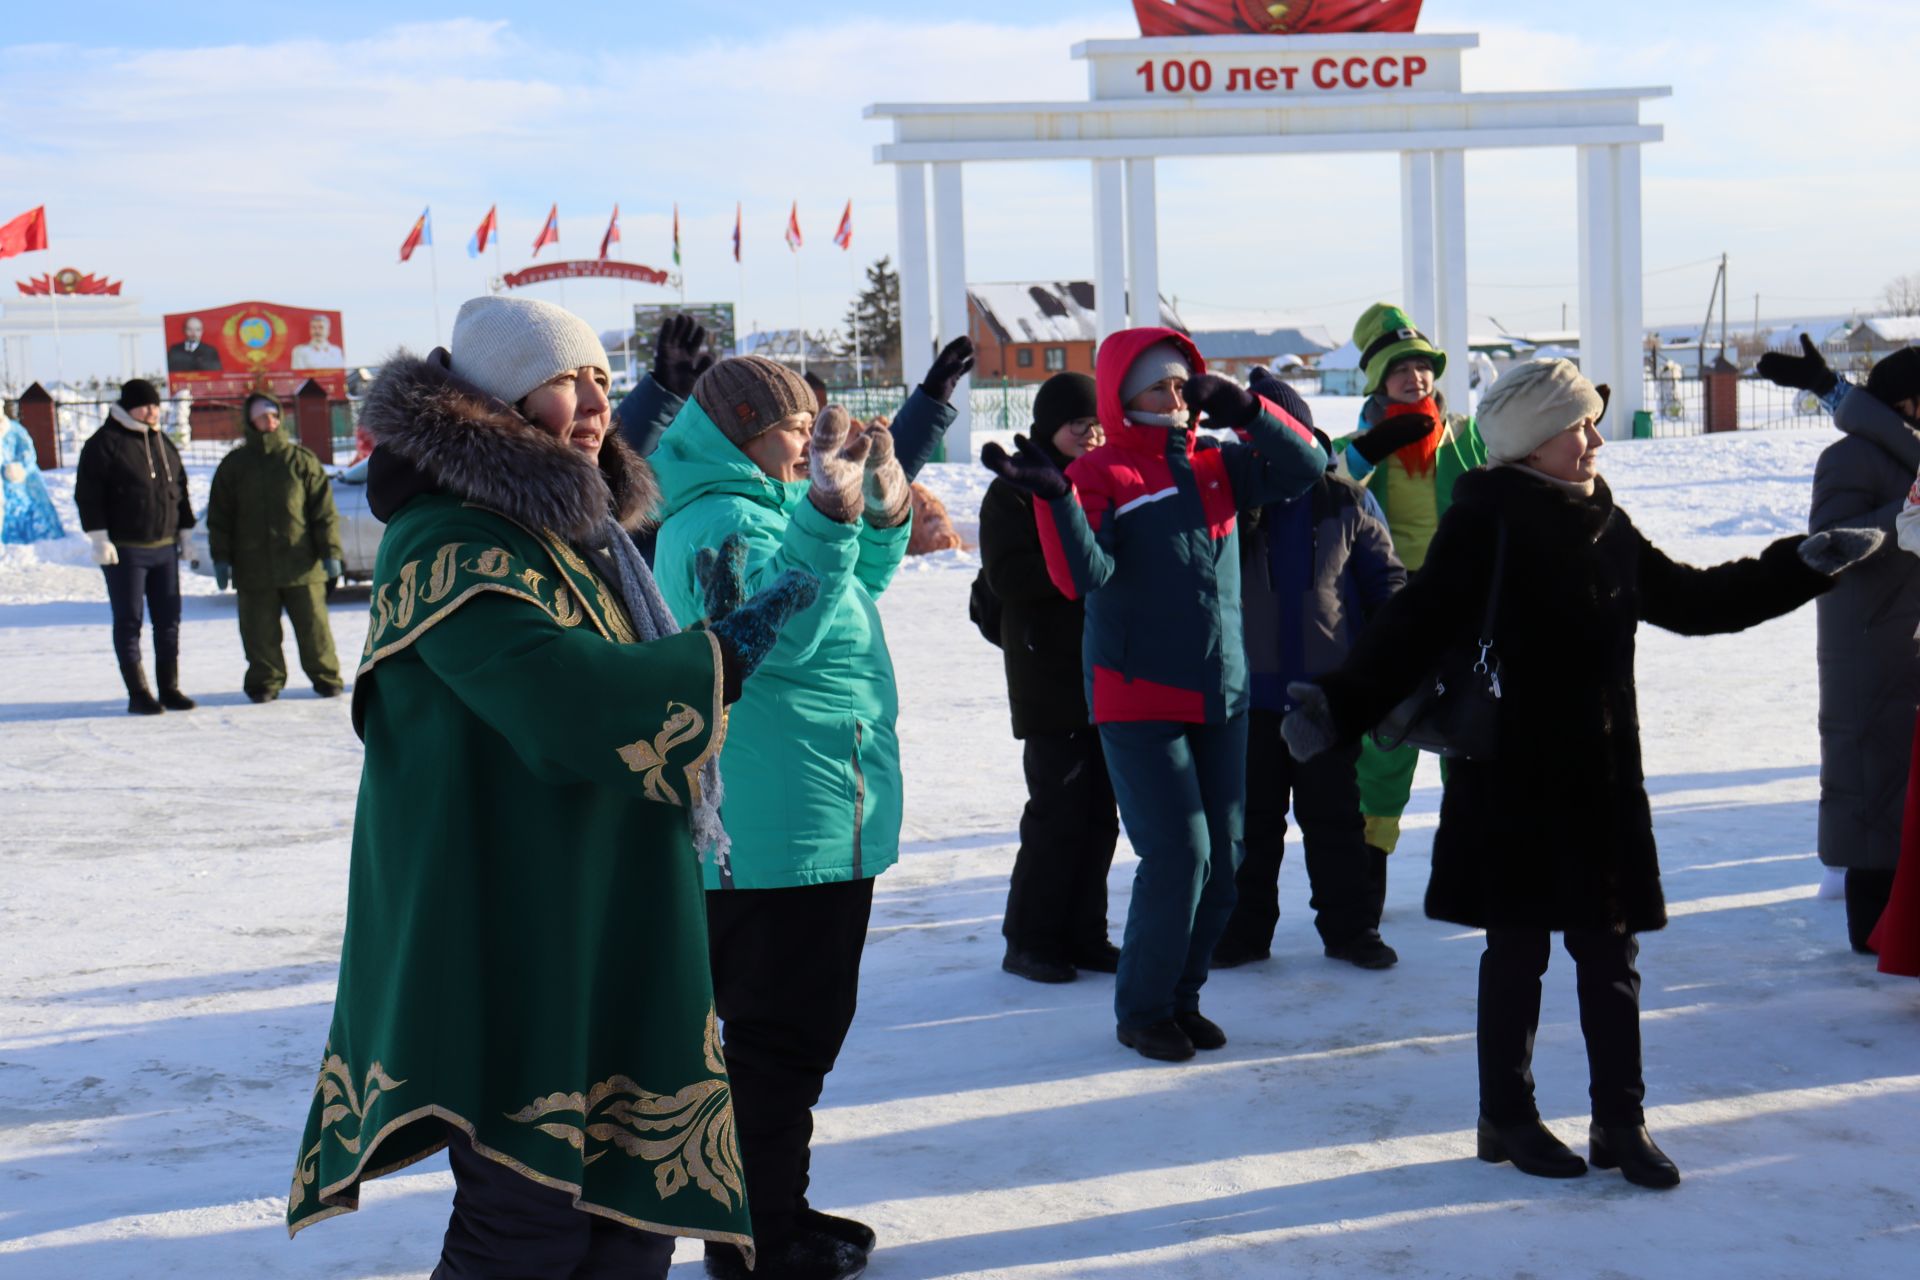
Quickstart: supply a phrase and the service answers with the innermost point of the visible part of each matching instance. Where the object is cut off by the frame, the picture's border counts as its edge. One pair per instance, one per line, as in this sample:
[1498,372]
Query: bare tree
[1902,295]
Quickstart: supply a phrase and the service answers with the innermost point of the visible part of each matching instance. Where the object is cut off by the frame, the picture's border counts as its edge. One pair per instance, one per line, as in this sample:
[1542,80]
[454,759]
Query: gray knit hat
[1163,359]
[258,400]
[746,395]
[509,346]
[1532,403]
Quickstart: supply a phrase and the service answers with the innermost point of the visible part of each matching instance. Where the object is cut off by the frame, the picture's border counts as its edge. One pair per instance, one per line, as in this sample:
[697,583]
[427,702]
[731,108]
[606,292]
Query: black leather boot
[1629,1148]
[1163,1040]
[140,699]
[1203,1032]
[168,670]
[856,1233]
[1532,1148]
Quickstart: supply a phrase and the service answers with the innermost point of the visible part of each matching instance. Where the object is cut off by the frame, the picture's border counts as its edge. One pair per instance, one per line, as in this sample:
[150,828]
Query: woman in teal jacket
[811,765]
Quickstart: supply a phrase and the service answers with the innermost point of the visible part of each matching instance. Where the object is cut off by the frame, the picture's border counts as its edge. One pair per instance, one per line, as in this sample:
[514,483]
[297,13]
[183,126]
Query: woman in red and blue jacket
[1142,528]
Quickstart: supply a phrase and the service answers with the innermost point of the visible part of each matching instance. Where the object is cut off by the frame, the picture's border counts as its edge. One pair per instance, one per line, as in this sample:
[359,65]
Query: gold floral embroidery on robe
[341,1102]
[683,724]
[697,1143]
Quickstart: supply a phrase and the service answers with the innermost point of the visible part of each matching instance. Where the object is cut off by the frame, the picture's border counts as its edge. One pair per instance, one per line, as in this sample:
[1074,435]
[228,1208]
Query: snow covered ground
[174,890]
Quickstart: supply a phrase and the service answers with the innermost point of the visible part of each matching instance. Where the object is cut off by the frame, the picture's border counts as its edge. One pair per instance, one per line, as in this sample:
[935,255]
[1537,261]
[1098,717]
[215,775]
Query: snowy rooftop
[1263,344]
[1047,311]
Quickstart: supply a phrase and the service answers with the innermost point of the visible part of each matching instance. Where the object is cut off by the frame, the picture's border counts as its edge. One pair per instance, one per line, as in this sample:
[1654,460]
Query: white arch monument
[1282,95]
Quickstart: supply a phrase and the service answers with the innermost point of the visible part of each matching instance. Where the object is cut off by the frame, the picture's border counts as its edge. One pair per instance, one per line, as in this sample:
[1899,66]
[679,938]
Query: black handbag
[1456,710]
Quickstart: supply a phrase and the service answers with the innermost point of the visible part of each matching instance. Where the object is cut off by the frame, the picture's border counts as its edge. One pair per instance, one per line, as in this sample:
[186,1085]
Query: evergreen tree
[877,313]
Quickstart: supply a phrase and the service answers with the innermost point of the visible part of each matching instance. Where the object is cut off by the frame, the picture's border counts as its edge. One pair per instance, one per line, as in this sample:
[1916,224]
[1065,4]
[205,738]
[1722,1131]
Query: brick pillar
[36,415]
[313,418]
[1722,387]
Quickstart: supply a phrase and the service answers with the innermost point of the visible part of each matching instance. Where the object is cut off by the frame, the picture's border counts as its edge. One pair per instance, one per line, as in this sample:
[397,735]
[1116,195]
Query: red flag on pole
[844,235]
[549,230]
[422,233]
[612,237]
[736,233]
[25,234]
[793,227]
[488,230]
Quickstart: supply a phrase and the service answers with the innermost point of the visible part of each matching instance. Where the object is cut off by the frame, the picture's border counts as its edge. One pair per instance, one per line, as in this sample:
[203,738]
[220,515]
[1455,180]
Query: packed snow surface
[175,889]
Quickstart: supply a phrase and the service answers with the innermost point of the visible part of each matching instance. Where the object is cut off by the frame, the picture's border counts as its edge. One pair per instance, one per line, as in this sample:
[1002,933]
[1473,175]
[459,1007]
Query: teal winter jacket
[811,765]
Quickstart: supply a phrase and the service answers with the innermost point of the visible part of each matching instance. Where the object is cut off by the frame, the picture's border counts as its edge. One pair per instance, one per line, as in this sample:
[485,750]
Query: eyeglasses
[1081,426]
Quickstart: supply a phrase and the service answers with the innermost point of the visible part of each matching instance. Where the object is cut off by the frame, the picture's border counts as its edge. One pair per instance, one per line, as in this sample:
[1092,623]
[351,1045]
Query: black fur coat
[1556,832]
[434,433]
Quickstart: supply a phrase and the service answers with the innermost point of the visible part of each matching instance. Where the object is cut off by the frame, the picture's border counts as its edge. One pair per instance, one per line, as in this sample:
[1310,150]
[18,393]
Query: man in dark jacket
[1868,656]
[1056,921]
[1312,570]
[272,528]
[132,495]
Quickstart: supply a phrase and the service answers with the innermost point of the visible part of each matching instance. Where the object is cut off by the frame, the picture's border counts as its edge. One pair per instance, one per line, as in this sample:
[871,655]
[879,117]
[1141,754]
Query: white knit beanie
[1532,403]
[509,346]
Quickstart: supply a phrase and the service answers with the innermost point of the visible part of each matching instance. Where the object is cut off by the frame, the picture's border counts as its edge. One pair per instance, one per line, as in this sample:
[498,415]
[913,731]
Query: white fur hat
[509,346]
[1532,403]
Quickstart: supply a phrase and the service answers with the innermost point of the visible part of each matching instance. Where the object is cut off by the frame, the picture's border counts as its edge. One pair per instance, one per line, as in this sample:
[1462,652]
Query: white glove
[15,473]
[185,540]
[104,552]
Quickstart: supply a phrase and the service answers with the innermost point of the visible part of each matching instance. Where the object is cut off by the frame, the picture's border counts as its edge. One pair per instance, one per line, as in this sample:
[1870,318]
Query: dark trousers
[786,979]
[306,609]
[505,1226]
[1057,898]
[1609,989]
[1348,876]
[147,580]
[1868,892]
[1182,794]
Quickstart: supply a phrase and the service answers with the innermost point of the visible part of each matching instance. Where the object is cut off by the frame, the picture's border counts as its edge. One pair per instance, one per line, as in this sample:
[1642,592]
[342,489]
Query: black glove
[951,365]
[1393,433]
[1028,468]
[678,360]
[1833,550]
[1224,401]
[1308,728]
[1807,372]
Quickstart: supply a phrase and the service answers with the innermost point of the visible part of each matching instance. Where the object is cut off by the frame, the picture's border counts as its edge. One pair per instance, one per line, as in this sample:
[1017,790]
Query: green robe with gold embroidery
[526,948]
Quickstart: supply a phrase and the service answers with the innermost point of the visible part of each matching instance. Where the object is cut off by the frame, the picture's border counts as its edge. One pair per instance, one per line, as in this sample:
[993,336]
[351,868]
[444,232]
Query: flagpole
[853,279]
[800,312]
[433,274]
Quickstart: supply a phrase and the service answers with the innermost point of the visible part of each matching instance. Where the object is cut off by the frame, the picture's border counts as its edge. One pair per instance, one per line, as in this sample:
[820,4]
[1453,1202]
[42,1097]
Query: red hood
[1116,356]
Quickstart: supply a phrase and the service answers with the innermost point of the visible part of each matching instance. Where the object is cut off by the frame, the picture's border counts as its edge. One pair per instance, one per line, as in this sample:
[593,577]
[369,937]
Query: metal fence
[1678,406]
[1000,406]
[76,420]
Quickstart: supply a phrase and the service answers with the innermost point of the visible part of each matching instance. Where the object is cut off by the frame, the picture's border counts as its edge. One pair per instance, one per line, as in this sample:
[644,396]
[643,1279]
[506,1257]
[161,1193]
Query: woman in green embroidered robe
[524,972]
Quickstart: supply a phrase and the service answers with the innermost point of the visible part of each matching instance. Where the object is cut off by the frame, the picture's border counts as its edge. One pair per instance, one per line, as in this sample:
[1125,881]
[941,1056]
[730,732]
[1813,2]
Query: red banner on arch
[1256,17]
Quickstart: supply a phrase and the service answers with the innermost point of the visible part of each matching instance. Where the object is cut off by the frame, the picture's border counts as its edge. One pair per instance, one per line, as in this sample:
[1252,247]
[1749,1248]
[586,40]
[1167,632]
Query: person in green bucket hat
[1408,451]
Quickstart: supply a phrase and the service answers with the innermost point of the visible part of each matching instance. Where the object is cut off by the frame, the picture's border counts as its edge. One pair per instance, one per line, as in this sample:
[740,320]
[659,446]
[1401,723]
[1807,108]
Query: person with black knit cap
[1056,919]
[132,494]
[1868,655]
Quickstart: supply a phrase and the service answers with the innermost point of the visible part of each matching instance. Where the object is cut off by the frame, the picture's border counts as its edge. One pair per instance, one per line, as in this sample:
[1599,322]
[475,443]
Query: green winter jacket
[271,516]
[811,766]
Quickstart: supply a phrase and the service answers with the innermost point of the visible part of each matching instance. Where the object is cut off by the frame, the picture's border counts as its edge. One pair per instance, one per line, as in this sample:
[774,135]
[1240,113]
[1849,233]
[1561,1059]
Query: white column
[916,295]
[1598,270]
[1450,282]
[950,298]
[1630,342]
[1143,245]
[1417,273]
[1109,246]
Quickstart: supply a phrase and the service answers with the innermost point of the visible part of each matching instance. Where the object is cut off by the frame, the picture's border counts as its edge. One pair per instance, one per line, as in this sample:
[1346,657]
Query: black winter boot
[1365,950]
[1868,890]
[140,699]
[1532,1148]
[1100,957]
[1203,1032]
[1630,1149]
[168,670]
[806,1255]
[857,1234]
[1037,968]
[1163,1040]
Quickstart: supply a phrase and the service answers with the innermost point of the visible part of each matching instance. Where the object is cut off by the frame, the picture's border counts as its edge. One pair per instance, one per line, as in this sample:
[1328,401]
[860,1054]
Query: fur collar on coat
[434,433]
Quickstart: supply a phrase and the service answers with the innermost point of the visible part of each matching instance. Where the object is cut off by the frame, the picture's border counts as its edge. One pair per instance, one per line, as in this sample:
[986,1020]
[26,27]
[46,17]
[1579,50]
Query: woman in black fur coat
[1555,835]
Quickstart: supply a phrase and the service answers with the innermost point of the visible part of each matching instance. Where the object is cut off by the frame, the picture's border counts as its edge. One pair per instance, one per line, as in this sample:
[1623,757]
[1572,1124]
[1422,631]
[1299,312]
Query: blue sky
[213,152]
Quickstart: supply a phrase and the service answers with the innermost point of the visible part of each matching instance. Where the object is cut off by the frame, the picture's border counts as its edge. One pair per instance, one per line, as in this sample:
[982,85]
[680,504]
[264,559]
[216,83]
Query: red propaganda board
[254,346]
[1256,17]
